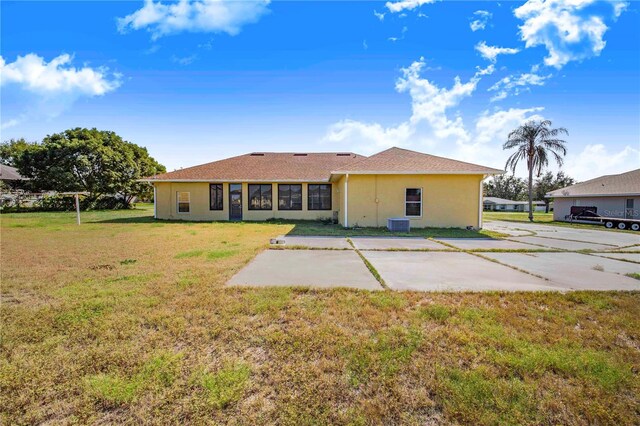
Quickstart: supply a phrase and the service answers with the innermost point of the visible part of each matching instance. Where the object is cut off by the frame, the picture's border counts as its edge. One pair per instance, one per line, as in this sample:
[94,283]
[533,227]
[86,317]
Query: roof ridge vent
[257,154]
[343,154]
[300,154]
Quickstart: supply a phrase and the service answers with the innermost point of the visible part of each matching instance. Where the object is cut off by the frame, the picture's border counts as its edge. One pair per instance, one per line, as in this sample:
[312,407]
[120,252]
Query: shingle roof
[399,160]
[9,173]
[266,167]
[610,185]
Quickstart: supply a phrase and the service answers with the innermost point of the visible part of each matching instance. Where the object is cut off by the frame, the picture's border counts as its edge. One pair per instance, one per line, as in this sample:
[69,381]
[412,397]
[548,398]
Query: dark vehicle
[590,214]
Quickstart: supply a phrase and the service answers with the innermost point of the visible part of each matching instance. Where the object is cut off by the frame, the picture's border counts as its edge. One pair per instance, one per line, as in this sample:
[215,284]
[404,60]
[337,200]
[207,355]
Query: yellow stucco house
[352,189]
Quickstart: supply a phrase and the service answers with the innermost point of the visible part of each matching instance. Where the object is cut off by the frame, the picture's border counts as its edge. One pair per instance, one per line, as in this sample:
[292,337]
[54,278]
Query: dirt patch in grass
[163,340]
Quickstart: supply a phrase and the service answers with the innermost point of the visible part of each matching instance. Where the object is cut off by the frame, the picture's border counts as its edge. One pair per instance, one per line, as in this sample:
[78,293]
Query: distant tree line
[511,187]
[97,162]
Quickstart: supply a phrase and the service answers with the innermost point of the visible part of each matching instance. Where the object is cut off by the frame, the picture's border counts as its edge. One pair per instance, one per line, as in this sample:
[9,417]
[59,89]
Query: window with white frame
[413,202]
[184,202]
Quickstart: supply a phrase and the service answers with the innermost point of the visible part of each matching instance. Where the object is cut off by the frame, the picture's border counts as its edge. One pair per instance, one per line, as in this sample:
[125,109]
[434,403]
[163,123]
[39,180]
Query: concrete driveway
[533,258]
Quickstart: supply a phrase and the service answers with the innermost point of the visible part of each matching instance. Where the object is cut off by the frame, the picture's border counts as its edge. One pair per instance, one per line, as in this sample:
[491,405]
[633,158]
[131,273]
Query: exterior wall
[513,207]
[447,200]
[167,206]
[607,206]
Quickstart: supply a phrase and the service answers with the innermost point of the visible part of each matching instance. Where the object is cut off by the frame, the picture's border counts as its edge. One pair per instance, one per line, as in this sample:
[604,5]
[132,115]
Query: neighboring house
[612,195]
[348,188]
[9,174]
[503,205]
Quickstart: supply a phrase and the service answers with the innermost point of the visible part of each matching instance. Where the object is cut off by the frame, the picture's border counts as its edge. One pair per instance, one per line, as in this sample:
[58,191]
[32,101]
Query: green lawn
[518,216]
[125,320]
[325,229]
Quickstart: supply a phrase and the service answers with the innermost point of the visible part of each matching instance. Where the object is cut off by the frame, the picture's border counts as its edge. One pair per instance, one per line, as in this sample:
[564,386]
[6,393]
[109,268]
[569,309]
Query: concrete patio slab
[629,257]
[316,242]
[626,249]
[390,243]
[309,268]
[449,271]
[550,242]
[613,238]
[486,244]
[509,230]
[574,271]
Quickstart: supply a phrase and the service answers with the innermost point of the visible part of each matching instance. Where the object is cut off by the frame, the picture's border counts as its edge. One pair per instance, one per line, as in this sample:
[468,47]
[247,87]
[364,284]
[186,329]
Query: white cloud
[399,6]
[378,15]
[486,71]
[48,88]
[184,60]
[434,124]
[589,163]
[401,37]
[211,16]
[491,52]
[568,29]
[491,131]
[481,20]
[430,105]
[514,84]
[32,73]
[496,126]
[11,123]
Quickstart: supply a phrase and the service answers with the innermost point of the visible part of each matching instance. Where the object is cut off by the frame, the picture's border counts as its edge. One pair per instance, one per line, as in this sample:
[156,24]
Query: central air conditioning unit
[399,224]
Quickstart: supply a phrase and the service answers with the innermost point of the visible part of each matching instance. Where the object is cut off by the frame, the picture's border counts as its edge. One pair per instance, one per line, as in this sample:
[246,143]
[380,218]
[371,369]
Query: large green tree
[508,187]
[12,149]
[535,142]
[547,183]
[95,161]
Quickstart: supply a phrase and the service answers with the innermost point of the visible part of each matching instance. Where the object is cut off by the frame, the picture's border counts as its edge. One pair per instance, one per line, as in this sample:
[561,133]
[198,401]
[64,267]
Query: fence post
[77,208]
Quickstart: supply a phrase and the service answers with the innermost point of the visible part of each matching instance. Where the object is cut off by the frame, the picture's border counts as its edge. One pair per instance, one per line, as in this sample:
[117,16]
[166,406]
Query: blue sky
[199,81]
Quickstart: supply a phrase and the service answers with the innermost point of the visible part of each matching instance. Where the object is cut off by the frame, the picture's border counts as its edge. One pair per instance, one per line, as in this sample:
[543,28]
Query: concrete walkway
[518,263]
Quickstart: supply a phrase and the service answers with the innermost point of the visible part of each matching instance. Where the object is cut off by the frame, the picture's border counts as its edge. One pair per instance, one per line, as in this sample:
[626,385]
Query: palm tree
[534,141]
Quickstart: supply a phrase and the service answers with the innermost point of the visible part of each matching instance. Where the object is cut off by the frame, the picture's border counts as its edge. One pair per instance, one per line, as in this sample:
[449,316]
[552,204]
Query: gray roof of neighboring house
[496,200]
[624,184]
[9,173]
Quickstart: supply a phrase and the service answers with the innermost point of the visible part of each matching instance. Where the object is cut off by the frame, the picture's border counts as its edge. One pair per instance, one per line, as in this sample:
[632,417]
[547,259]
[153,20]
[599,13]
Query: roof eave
[417,172]
[268,180]
[622,194]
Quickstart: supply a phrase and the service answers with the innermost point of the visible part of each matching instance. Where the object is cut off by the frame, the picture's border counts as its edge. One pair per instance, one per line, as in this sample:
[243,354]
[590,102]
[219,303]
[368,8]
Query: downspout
[480,203]
[155,202]
[346,200]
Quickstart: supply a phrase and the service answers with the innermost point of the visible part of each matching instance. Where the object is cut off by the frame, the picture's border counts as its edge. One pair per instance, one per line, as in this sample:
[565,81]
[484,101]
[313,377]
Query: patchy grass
[89,336]
[157,373]
[435,312]
[518,216]
[635,275]
[224,386]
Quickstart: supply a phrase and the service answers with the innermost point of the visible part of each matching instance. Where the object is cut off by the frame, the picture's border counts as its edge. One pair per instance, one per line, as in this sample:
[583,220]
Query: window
[184,202]
[289,197]
[215,196]
[413,202]
[629,203]
[319,197]
[260,197]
